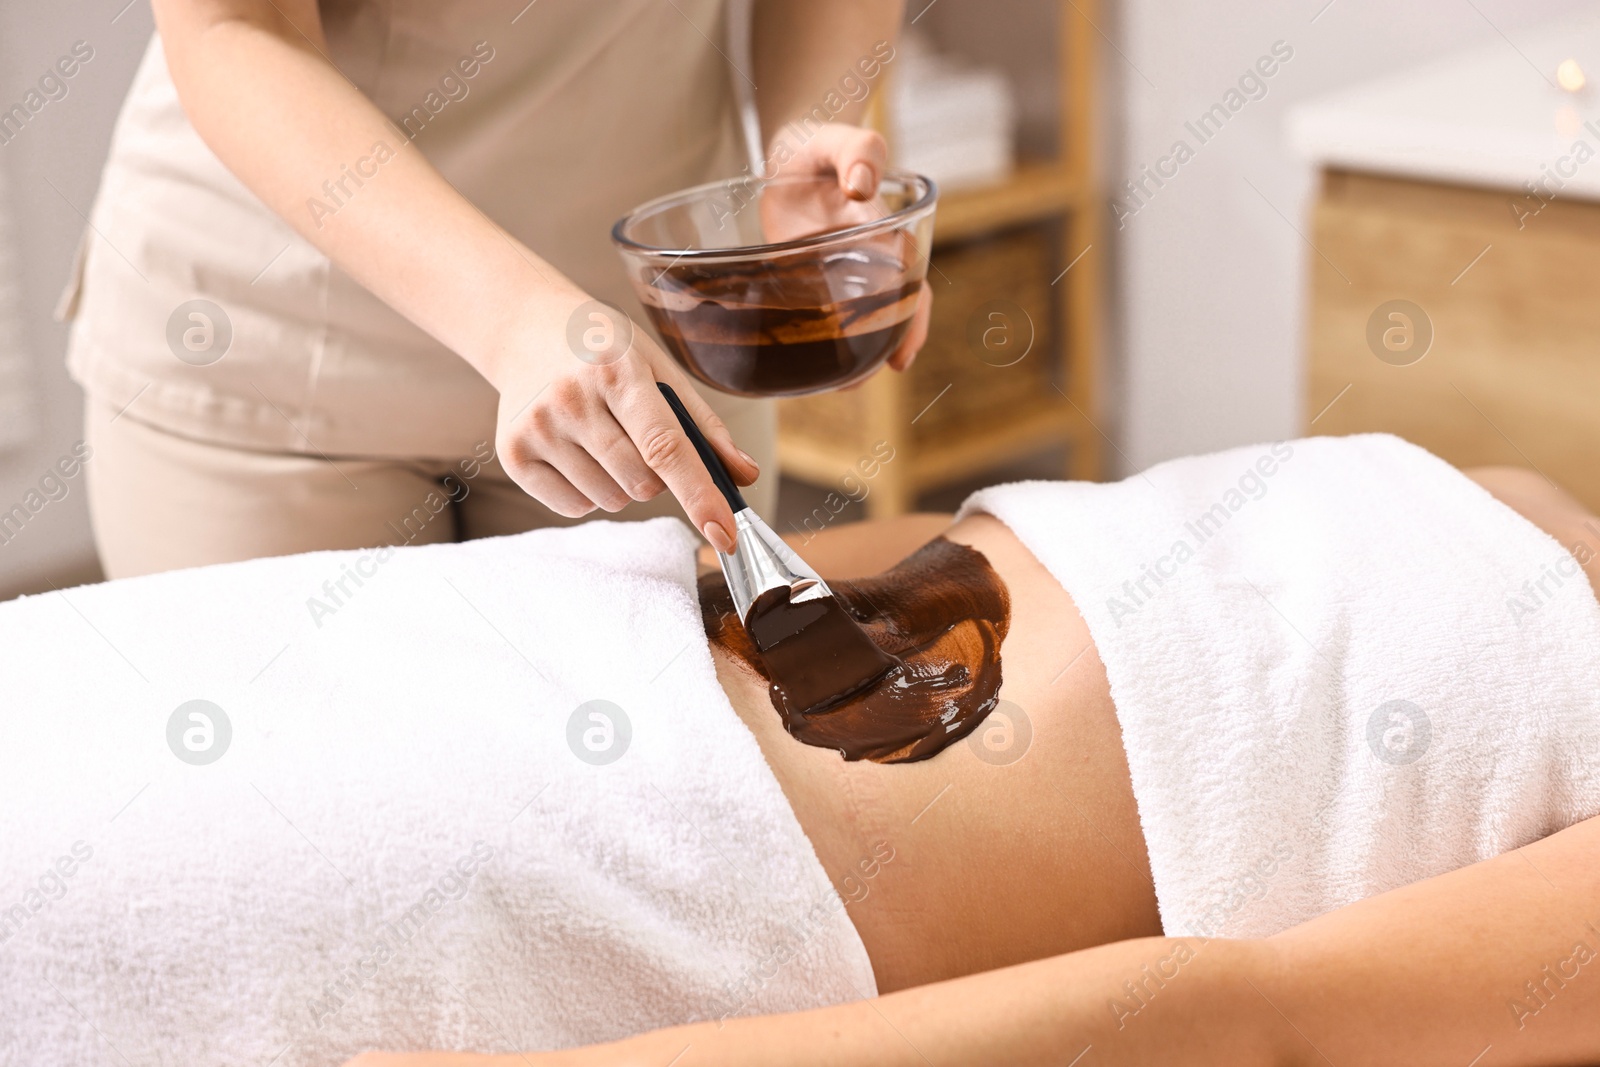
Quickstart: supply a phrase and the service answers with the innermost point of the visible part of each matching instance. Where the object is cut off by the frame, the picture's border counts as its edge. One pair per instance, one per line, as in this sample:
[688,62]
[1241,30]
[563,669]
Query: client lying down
[1282,755]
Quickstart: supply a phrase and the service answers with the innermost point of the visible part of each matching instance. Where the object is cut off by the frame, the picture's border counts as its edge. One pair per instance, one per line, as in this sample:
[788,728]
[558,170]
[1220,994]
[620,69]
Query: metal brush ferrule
[763,562]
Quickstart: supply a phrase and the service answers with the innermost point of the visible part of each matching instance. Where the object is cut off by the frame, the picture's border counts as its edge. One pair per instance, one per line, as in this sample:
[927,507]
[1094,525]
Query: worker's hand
[917,335]
[855,158]
[582,424]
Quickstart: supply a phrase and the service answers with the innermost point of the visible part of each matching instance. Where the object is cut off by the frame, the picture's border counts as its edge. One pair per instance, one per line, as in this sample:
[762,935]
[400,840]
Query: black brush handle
[708,455]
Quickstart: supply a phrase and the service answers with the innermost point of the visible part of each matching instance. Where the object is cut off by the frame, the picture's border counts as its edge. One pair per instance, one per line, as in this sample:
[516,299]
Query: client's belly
[1019,842]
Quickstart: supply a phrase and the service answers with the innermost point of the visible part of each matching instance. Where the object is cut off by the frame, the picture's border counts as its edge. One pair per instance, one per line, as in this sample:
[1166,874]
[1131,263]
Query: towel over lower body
[480,797]
[1339,665]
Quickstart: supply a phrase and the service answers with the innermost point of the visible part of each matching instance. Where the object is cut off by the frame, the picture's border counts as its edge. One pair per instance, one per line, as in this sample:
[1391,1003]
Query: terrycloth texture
[398,848]
[1330,676]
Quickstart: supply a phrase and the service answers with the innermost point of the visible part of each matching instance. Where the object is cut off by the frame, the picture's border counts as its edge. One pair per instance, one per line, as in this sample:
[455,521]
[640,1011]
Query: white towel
[398,847]
[1330,675]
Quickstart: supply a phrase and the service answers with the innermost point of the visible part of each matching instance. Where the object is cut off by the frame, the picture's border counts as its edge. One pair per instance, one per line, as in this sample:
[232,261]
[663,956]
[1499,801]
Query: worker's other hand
[917,335]
[583,426]
[854,158]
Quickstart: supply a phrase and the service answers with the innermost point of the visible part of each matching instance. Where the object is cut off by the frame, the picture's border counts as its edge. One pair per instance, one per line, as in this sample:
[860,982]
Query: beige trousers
[160,501]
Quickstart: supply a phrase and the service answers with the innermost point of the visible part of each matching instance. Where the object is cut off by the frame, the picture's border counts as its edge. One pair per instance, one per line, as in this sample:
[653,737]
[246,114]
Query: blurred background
[1167,228]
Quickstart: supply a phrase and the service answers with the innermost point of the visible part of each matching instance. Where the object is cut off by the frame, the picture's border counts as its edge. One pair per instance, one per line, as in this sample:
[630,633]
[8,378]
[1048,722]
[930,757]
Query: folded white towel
[1330,677]
[411,838]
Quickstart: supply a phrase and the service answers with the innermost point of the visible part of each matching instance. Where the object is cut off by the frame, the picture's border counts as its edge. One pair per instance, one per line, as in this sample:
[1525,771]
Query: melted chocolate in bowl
[807,323]
[937,619]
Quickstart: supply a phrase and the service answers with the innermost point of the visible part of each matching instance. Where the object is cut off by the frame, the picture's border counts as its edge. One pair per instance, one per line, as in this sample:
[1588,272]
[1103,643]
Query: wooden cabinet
[1508,303]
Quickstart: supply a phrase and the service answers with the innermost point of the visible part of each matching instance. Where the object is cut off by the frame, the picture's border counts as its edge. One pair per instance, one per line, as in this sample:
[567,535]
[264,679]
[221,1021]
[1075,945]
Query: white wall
[1208,287]
[63,146]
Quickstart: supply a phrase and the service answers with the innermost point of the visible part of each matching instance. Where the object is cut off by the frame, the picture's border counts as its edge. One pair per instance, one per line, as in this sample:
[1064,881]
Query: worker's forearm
[321,155]
[805,49]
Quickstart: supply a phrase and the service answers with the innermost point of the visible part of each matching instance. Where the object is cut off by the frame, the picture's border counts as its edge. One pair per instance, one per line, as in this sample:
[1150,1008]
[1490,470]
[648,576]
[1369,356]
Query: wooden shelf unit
[1036,191]
[1057,195]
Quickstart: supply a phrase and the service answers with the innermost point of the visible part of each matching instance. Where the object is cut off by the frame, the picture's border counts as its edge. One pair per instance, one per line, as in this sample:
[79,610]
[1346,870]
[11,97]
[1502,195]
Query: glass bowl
[782,286]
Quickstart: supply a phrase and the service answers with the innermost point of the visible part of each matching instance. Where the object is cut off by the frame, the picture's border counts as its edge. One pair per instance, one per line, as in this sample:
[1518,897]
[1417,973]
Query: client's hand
[856,158]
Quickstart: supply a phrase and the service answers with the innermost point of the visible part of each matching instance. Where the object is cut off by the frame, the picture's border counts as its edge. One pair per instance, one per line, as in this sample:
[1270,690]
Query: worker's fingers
[667,450]
[847,163]
[574,462]
[917,335]
[741,466]
[858,156]
[615,452]
[548,486]
[537,449]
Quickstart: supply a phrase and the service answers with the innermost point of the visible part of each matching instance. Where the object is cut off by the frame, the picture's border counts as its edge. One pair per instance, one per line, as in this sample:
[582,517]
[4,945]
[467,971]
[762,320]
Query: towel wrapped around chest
[1340,666]
[484,797]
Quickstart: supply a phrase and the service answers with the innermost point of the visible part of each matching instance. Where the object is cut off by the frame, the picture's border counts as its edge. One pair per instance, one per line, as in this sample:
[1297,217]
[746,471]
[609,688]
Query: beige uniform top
[553,117]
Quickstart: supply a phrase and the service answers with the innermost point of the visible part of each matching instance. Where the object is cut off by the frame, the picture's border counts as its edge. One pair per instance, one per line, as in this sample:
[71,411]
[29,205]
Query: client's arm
[1494,964]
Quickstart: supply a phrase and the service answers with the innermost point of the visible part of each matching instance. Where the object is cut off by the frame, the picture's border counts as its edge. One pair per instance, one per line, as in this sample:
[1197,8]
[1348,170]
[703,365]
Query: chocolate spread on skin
[937,620]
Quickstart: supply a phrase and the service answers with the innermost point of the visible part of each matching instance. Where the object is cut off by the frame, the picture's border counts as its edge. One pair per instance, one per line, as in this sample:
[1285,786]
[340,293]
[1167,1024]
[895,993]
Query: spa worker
[340,248]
